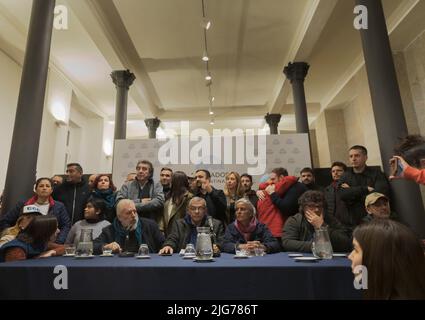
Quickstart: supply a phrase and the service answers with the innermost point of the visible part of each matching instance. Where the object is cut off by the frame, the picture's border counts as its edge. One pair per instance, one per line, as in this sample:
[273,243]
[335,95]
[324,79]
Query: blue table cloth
[274,276]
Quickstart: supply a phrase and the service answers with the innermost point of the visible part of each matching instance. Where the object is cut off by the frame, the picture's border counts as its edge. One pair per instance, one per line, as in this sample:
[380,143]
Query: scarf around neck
[247,231]
[121,232]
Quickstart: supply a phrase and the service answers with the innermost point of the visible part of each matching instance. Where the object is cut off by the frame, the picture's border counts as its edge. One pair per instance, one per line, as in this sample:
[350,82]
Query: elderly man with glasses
[184,230]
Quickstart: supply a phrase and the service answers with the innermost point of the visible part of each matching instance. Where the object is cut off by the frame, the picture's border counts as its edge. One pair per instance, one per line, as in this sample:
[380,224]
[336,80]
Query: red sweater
[415,174]
[267,212]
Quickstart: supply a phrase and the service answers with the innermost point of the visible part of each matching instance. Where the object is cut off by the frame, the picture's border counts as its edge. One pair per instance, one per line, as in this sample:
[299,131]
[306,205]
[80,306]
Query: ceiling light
[208,77]
[205,23]
[211,112]
[211,98]
[205,57]
[212,122]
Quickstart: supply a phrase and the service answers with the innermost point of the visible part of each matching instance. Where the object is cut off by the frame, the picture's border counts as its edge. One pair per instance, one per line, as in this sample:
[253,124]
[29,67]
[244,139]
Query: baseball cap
[373,197]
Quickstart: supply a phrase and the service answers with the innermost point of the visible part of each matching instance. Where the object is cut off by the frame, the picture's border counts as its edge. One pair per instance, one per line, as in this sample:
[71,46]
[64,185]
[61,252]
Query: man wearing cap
[26,216]
[378,207]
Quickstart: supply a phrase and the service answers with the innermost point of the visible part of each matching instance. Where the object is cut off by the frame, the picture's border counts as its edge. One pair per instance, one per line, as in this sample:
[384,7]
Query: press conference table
[274,276]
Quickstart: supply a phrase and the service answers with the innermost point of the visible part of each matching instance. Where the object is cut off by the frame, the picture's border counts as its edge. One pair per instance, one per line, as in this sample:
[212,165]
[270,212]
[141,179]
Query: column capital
[296,71]
[152,124]
[273,120]
[123,78]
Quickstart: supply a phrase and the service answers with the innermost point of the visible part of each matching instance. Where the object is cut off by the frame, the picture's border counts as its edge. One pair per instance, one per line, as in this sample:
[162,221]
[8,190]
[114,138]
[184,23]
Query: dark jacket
[216,203]
[74,196]
[336,207]
[288,204]
[31,250]
[252,197]
[150,236]
[354,196]
[369,217]
[57,209]
[261,233]
[109,200]
[298,234]
[182,230]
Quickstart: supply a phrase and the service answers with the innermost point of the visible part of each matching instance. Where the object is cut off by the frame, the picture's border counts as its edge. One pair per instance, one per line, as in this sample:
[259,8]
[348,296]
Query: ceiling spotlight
[205,56]
[205,23]
[212,122]
[208,77]
[211,98]
[211,112]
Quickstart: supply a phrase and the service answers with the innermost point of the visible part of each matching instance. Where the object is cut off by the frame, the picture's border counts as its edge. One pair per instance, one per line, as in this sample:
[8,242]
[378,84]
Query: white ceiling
[249,43]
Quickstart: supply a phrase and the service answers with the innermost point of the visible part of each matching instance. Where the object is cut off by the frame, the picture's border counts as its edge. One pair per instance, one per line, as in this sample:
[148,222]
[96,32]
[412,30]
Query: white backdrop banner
[253,154]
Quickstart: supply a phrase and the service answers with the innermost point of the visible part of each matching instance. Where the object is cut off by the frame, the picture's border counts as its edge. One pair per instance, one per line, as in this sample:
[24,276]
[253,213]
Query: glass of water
[143,250]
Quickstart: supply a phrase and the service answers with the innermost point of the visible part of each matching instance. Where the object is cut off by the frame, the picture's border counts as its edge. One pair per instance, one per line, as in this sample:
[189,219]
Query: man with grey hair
[128,231]
[184,230]
[147,195]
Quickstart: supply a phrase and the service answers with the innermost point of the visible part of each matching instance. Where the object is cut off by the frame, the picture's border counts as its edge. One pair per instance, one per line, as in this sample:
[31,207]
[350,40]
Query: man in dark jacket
[336,207]
[309,180]
[128,232]
[184,230]
[357,182]
[378,206]
[73,193]
[215,199]
[246,183]
[299,229]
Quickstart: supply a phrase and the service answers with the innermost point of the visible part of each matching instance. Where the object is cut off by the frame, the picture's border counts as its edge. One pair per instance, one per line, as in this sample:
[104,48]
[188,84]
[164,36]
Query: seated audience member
[378,206]
[28,213]
[94,215]
[33,241]
[183,231]
[267,212]
[43,200]
[309,180]
[246,184]
[146,194]
[73,193]
[394,260]
[410,154]
[175,206]
[233,192]
[298,231]
[248,232]
[165,180]
[357,182]
[57,181]
[104,189]
[215,199]
[129,231]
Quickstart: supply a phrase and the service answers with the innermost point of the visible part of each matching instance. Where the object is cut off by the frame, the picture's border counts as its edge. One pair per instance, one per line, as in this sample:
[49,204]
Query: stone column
[21,170]
[296,73]
[388,111]
[152,124]
[122,79]
[273,120]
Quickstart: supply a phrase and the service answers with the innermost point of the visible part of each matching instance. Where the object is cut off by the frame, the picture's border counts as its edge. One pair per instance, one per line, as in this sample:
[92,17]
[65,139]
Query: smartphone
[396,167]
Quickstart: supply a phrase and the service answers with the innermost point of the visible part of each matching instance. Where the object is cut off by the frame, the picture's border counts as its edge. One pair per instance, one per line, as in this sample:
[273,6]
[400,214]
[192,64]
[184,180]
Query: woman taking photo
[394,260]
[44,201]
